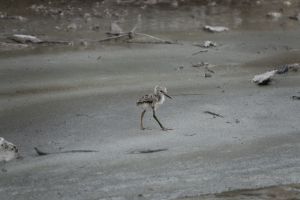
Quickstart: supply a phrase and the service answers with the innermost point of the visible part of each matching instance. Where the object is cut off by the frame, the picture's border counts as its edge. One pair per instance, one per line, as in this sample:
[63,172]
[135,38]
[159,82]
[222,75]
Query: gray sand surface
[60,100]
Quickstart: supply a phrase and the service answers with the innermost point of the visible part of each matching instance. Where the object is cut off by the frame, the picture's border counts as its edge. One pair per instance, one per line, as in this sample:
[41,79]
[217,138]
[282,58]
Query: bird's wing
[148,98]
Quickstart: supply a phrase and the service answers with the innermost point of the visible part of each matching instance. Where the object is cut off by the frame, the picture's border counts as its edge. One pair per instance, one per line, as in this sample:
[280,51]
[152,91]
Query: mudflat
[83,98]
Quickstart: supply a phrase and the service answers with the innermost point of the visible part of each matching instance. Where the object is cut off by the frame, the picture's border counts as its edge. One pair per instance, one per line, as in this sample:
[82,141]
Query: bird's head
[161,90]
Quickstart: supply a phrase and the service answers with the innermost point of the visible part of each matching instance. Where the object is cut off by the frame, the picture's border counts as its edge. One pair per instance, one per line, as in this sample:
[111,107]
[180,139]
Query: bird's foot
[167,129]
[143,128]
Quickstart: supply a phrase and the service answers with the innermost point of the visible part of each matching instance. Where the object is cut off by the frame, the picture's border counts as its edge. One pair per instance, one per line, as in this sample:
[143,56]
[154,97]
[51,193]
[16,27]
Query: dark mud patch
[271,62]
[291,192]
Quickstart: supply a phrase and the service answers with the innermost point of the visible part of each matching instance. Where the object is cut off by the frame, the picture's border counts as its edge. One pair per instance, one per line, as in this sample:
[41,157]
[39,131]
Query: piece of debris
[42,153]
[209,70]
[282,69]
[296,97]
[200,64]
[295,17]
[288,67]
[25,38]
[207,75]
[213,114]
[115,29]
[141,151]
[8,151]
[287,3]
[96,28]
[72,27]
[87,17]
[189,135]
[274,15]
[130,37]
[201,51]
[155,40]
[265,78]
[180,68]
[207,44]
[84,43]
[215,29]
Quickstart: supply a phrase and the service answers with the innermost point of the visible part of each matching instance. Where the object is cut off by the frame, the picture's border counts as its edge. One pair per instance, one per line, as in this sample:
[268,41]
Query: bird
[8,151]
[153,101]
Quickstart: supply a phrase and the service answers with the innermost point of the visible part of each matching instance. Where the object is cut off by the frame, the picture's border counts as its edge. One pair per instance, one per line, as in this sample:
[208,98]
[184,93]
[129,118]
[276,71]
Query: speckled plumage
[153,101]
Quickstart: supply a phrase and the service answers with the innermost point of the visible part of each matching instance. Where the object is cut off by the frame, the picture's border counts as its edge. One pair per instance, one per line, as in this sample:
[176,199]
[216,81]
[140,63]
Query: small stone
[174,3]
[72,27]
[287,3]
[274,15]
[207,75]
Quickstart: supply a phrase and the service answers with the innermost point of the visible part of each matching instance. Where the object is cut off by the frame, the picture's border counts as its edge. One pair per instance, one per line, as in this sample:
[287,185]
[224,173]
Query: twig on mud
[201,51]
[147,151]
[131,34]
[113,37]
[42,153]
[213,114]
[156,38]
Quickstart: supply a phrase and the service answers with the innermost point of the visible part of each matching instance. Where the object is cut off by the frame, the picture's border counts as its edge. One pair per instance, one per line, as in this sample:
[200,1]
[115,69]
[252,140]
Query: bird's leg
[3,164]
[161,126]
[142,116]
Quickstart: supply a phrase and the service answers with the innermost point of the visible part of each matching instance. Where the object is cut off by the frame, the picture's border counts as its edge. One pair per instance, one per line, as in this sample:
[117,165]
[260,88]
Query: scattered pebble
[206,44]
[96,28]
[72,27]
[209,43]
[274,15]
[287,3]
[84,43]
[207,75]
[180,68]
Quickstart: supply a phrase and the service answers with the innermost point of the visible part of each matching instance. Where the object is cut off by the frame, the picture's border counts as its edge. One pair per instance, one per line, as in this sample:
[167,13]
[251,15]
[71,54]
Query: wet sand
[64,98]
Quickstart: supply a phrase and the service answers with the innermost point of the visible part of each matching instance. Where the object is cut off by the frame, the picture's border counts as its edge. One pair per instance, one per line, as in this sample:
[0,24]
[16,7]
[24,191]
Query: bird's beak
[167,95]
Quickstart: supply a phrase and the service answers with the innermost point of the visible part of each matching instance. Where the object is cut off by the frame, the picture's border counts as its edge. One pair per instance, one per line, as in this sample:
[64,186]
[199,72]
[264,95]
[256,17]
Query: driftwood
[142,151]
[214,114]
[288,67]
[265,78]
[128,36]
[23,39]
[42,153]
[215,29]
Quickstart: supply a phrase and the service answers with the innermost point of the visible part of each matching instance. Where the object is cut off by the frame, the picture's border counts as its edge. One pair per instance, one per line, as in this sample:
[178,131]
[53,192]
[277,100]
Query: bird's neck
[161,98]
